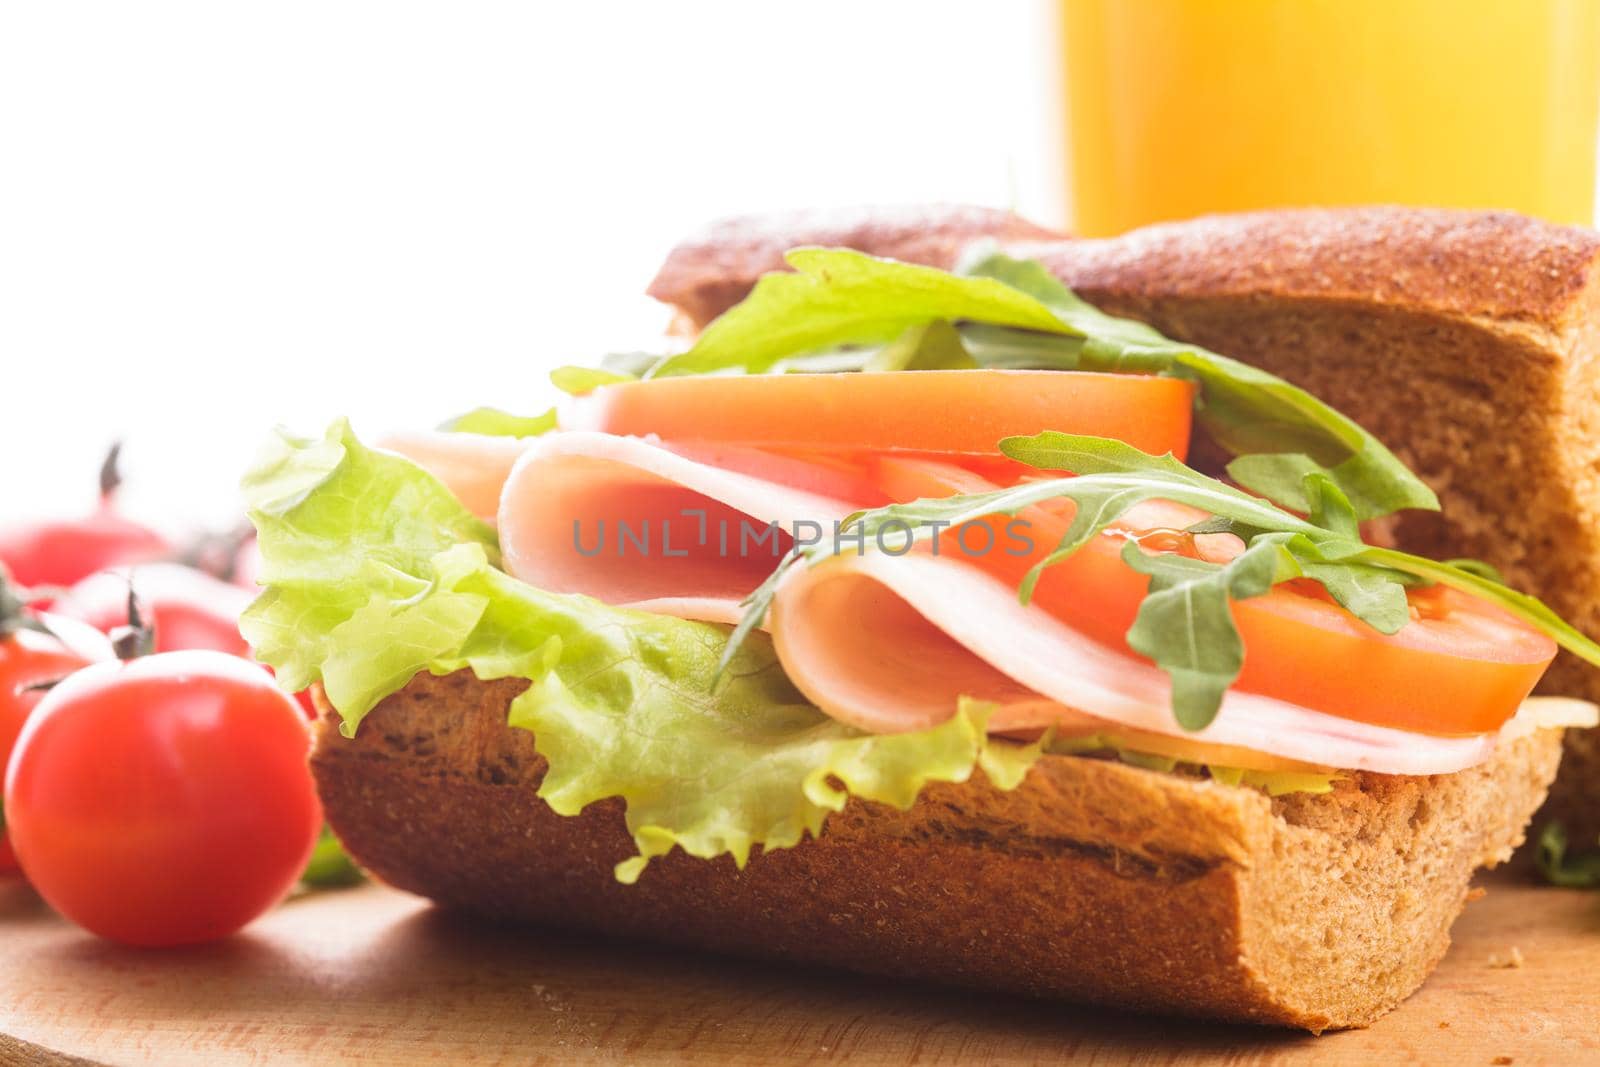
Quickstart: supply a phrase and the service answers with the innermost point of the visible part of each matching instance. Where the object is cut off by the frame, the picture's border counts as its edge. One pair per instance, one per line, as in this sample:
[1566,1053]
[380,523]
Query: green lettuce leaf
[580,381]
[374,573]
[935,345]
[496,423]
[1581,871]
[330,867]
[1273,783]
[837,296]
[321,585]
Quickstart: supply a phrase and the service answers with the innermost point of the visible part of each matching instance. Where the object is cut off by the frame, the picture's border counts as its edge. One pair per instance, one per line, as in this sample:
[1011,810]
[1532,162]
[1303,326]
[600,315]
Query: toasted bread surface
[1093,881]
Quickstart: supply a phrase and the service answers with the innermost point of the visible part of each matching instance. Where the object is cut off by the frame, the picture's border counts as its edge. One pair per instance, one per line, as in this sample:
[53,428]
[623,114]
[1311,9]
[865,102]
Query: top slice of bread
[1469,342]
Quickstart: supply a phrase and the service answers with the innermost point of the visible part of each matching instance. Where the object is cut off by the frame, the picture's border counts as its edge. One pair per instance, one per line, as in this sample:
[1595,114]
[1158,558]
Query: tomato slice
[1461,666]
[960,411]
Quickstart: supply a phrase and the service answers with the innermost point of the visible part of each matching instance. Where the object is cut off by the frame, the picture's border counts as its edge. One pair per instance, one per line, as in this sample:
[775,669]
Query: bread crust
[1486,264]
[1492,264]
[1093,881]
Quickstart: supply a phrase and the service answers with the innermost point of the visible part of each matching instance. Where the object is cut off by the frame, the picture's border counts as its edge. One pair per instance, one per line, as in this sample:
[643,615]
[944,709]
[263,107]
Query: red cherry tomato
[61,552]
[64,551]
[163,801]
[28,658]
[188,608]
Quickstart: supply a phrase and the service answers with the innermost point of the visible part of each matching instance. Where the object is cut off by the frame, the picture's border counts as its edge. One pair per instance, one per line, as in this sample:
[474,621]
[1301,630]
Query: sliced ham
[677,531]
[473,466]
[889,644]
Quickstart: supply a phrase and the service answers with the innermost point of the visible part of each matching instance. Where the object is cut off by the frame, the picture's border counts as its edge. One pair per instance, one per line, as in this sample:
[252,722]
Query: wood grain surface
[371,976]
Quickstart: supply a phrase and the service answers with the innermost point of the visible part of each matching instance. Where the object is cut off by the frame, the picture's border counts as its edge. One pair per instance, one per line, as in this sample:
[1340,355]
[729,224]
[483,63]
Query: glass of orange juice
[1181,107]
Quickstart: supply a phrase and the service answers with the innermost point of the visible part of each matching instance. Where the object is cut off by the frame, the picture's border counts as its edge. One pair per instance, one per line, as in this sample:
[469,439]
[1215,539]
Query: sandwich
[933,620]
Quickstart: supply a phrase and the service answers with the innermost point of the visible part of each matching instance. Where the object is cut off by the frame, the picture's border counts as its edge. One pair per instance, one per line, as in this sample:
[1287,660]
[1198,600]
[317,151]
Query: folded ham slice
[473,466]
[673,530]
[891,643]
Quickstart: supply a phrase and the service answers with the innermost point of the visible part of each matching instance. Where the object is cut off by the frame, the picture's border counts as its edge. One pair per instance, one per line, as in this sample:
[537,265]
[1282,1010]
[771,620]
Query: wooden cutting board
[371,976]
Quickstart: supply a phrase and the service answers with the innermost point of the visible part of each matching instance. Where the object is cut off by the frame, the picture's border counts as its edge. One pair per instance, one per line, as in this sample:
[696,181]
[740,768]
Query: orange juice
[1180,107]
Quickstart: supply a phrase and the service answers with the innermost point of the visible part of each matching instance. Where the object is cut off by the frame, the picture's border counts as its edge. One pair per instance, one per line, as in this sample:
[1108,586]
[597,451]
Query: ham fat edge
[886,643]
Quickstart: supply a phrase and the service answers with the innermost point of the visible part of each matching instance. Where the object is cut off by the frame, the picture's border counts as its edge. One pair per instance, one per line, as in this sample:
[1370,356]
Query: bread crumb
[1444,1025]
[1512,959]
[1477,892]
[1501,1061]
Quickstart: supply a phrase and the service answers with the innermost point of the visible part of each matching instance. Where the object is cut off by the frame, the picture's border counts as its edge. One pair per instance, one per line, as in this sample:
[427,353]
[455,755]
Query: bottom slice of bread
[1094,881]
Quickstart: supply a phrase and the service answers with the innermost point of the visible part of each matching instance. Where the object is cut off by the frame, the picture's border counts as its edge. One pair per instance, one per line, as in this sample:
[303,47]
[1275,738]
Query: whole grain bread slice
[1093,881]
[1469,342]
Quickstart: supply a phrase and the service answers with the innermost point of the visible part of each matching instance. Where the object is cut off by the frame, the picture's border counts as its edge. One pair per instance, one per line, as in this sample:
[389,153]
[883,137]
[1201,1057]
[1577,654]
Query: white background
[216,217]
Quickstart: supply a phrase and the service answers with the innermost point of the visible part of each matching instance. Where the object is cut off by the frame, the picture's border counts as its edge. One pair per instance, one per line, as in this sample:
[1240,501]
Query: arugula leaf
[1112,477]
[1375,595]
[1487,571]
[1573,872]
[374,573]
[1328,507]
[497,423]
[1529,609]
[841,297]
[756,608]
[1185,624]
[1003,348]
